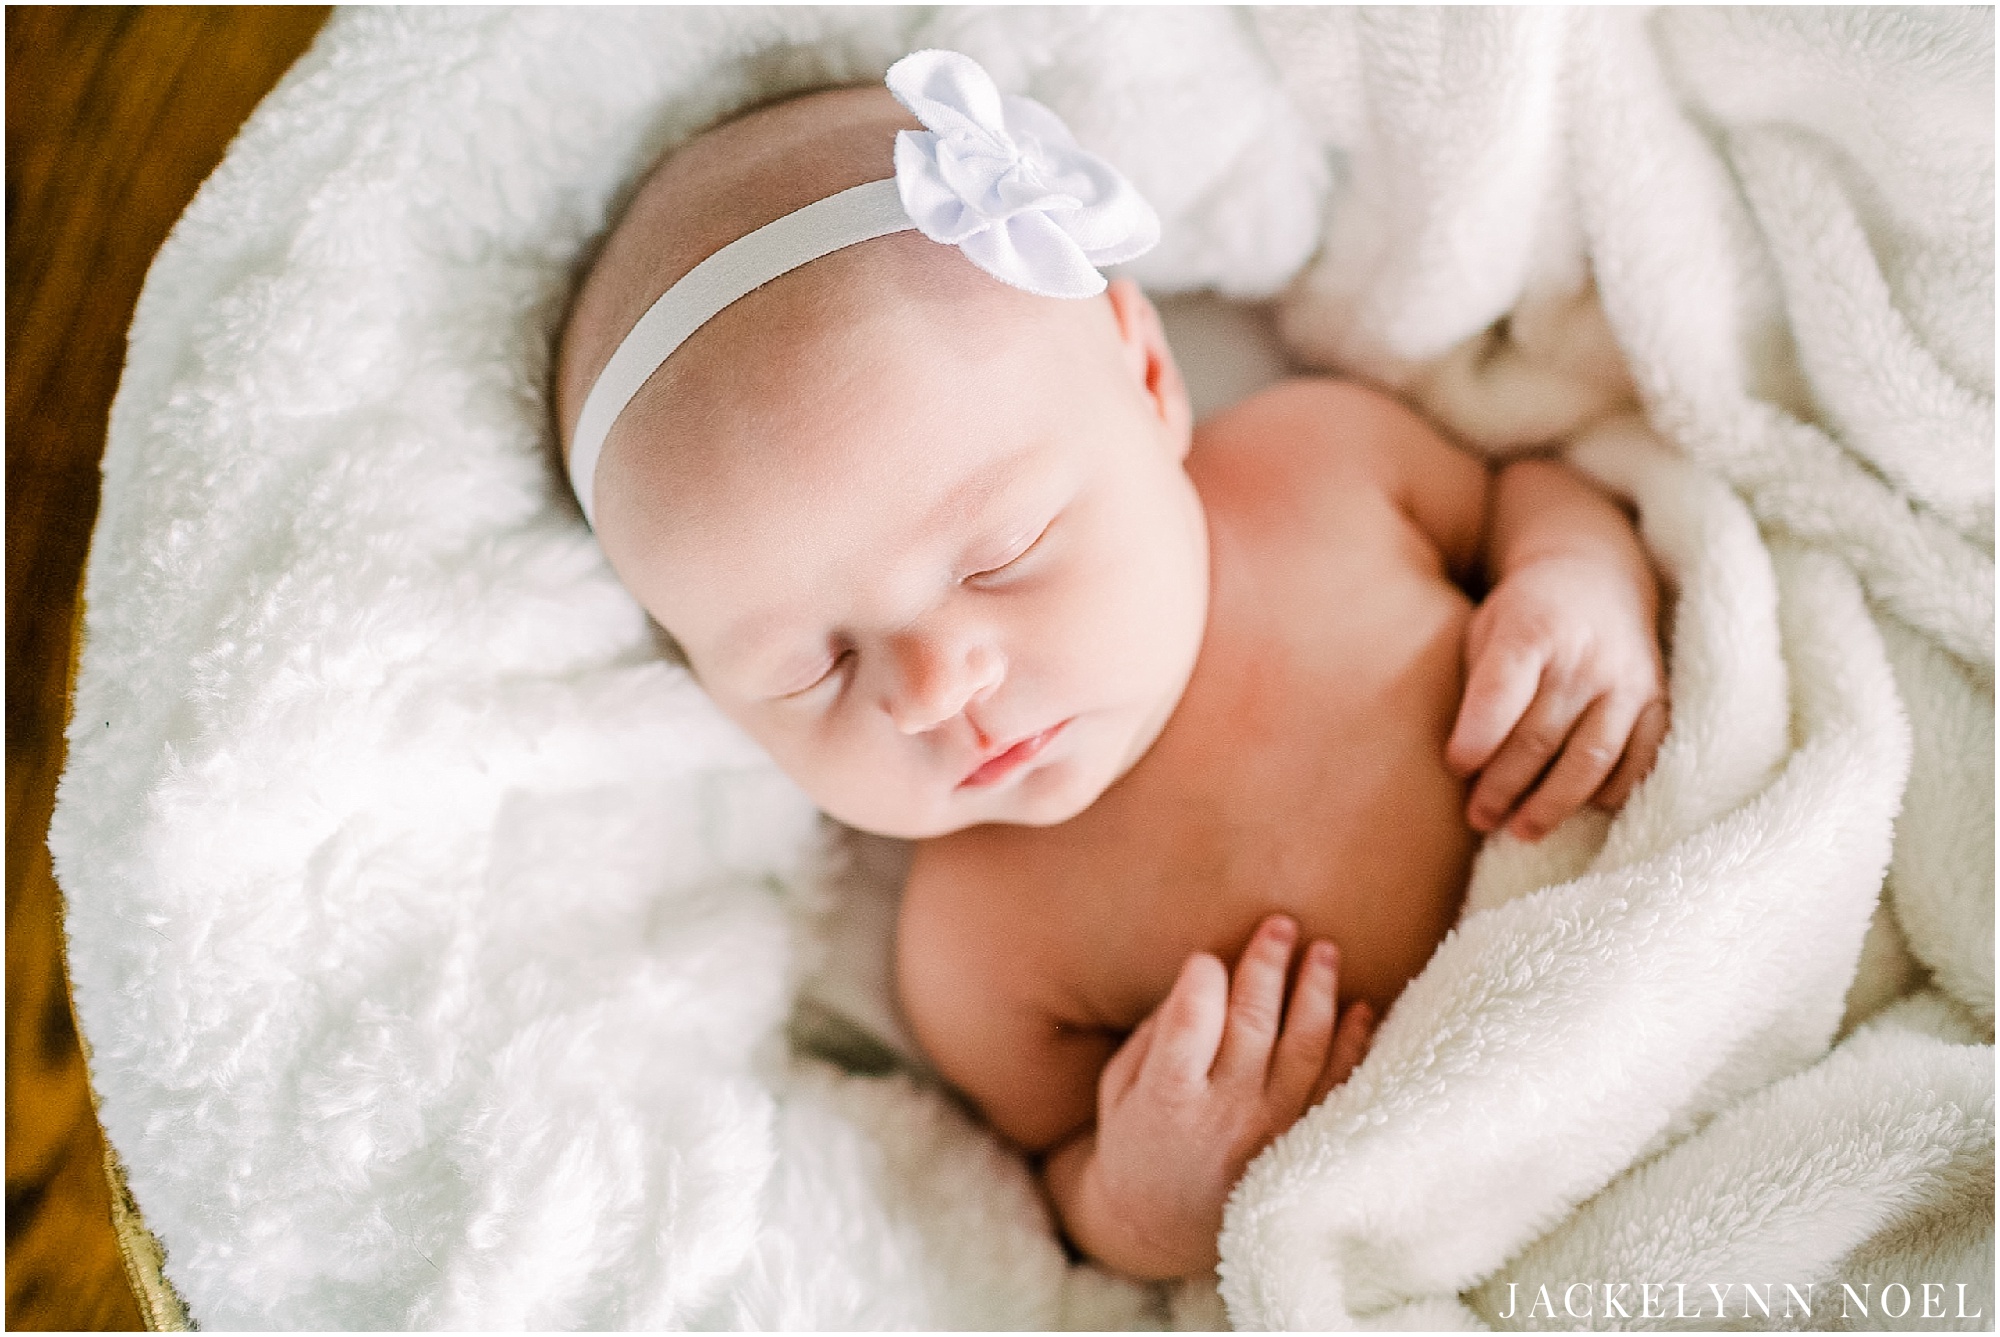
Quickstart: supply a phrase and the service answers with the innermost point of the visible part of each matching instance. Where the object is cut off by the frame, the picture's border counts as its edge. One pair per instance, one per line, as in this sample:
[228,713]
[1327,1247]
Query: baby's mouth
[999,765]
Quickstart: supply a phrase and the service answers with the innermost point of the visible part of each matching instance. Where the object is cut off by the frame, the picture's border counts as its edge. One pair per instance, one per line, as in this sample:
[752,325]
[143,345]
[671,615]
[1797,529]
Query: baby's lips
[997,765]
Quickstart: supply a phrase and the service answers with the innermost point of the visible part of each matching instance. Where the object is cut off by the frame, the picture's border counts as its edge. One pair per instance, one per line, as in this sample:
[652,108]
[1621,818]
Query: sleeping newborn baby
[1196,726]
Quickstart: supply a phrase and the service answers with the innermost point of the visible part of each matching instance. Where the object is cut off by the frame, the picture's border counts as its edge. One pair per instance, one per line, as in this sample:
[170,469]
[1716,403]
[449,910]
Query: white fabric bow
[1001,178]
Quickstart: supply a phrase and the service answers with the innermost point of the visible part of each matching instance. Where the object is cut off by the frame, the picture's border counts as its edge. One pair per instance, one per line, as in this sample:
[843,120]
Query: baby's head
[926,536]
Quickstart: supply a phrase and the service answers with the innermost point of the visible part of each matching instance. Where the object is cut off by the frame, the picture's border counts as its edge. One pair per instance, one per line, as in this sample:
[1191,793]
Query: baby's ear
[1143,344]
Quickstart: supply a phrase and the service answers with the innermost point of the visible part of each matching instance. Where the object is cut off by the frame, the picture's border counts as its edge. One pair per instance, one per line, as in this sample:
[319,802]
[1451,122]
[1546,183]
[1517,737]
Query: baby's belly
[1305,781]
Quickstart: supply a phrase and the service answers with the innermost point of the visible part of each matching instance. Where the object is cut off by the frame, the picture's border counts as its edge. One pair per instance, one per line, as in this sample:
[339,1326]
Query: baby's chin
[1042,809]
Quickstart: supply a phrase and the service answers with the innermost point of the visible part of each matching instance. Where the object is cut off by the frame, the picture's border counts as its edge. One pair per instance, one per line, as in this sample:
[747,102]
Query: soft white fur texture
[1787,216]
[447,961]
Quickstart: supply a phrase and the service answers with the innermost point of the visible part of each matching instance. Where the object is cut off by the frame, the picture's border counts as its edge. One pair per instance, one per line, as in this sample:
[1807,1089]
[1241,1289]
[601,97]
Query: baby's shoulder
[1313,441]
[967,932]
[1314,433]
[982,991]
[1315,466]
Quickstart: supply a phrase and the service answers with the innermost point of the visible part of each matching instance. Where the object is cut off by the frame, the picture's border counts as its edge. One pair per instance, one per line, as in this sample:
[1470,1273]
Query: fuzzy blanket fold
[447,961]
[1767,252]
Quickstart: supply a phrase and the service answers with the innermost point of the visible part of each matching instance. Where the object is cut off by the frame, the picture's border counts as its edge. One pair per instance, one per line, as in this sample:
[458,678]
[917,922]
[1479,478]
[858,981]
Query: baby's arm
[1219,1069]
[1565,694]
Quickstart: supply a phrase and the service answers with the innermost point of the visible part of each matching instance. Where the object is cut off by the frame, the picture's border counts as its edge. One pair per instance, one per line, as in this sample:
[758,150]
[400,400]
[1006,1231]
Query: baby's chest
[1304,774]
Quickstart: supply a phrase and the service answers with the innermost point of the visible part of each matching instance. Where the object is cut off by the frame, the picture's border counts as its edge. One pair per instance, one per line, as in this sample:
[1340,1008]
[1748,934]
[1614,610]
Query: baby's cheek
[802,750]
[857,774]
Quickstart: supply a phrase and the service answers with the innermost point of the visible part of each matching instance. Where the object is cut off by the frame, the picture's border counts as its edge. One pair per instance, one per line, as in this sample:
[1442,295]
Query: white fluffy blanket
[447,961]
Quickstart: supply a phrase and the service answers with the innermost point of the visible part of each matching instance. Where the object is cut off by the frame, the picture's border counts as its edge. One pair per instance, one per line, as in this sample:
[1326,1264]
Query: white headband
[997,176]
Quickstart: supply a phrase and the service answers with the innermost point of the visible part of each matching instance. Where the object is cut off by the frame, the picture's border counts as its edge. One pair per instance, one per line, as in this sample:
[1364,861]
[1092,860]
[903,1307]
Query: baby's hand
[1219,1069]
[1564,695]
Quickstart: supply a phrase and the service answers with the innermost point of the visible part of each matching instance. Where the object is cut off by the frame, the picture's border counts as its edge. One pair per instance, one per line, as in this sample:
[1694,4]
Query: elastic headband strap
[999,177]
[855,215]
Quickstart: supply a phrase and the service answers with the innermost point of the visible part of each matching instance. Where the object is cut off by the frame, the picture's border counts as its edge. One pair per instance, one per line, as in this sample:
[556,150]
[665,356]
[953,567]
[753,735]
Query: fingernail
[1281,928]
[1322,954]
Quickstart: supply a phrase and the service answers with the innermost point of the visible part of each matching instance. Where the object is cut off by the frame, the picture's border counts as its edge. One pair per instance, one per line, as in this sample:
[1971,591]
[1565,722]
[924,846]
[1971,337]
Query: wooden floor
[114,117]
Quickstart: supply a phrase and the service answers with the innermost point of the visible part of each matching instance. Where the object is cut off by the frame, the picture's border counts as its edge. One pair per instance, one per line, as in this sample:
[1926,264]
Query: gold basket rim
[144,1257]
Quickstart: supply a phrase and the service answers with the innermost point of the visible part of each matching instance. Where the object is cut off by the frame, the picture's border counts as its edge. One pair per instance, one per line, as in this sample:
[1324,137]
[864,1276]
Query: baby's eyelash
[826,675]
[997,568]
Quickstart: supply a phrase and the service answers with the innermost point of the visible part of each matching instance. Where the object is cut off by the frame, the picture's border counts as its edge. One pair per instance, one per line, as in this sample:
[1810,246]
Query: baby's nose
[935,680]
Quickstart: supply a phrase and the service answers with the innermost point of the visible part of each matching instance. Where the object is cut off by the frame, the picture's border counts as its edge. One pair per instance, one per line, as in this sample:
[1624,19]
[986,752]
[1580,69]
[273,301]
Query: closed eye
[990,575]
[835,667]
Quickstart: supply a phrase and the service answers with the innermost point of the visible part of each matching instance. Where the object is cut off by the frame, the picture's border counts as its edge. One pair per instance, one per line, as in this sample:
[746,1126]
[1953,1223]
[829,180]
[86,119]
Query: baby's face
[945,572]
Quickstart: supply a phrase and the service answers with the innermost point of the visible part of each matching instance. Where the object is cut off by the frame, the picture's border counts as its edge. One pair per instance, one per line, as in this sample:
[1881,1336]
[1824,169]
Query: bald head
[722,185]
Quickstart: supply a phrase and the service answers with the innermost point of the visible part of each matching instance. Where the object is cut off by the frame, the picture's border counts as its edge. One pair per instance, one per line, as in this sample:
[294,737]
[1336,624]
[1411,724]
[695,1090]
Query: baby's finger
[1302,1049]
[1122,1072]
[1527,753]
[1499,687]
[1188,1026]
[1642,749]
[1350,1045]
[1256,1002]
[1587,757]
